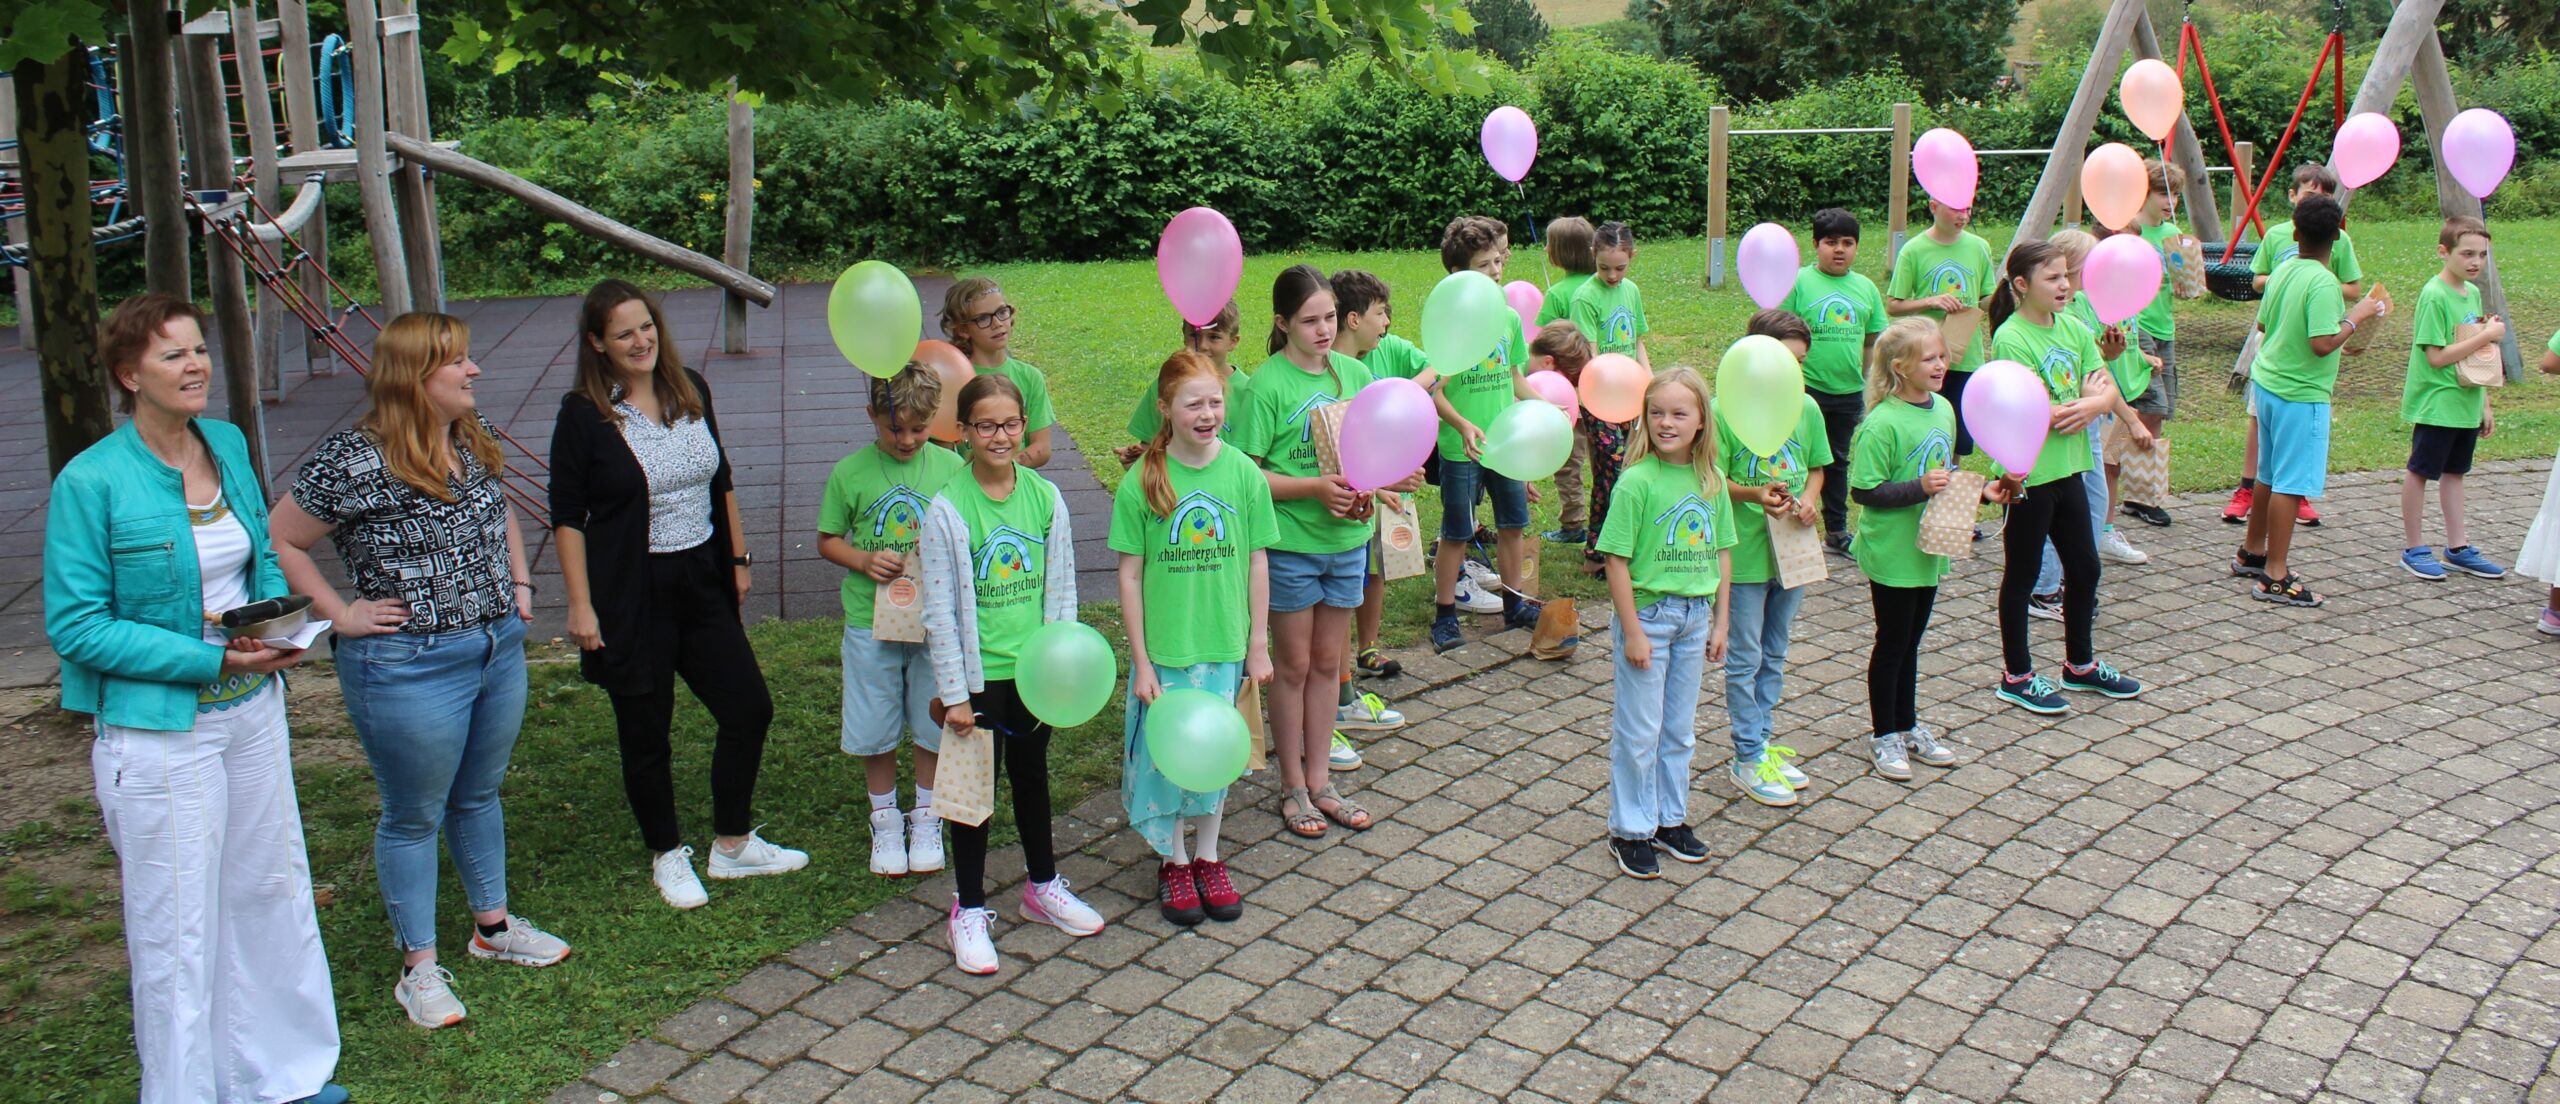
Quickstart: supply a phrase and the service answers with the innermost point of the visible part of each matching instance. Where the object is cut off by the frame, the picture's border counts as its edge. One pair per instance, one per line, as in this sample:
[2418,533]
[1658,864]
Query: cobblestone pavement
[2315,860]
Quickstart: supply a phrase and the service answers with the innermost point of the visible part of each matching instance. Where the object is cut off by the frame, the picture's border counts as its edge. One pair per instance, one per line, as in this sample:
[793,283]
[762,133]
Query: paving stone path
[2320,858]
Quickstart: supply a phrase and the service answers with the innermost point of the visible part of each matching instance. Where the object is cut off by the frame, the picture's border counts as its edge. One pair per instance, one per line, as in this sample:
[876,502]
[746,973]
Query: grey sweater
[951,600]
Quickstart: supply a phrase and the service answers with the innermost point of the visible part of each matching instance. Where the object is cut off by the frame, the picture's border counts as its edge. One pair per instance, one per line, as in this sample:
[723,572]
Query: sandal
[1345,811]
[1305,822]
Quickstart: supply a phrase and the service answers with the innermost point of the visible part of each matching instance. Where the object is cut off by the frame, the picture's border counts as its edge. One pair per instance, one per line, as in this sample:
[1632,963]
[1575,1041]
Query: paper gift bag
[1324,426]
[1249,703]
[1558,633]
[2362,338]
[965,787]
[1797,548]
[2247,359]
[1400,540]
[2485,367]
[1946,525]
[2185,257]
[1529,568]
[897,609]
[2145,477]
[1957,329]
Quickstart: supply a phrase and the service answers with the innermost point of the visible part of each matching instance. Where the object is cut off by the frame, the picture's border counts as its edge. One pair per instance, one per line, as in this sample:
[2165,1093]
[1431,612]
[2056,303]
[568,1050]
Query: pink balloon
[2008,412]
[1768,261]
[1613,386]
[1947,168]
[1525,299]
[1510,142]
[1199,260]
[2479,149]
[1553,387]
[1389,431]
[2365,149]
[2122,276]
[2153,97]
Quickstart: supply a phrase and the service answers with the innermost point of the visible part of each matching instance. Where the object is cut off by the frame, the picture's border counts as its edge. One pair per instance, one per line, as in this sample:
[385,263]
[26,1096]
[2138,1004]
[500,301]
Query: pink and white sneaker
[971,948]
[1050,903]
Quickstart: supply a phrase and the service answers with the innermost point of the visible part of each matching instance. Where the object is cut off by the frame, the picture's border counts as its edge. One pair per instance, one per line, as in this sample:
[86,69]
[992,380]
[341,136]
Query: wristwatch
[743,559]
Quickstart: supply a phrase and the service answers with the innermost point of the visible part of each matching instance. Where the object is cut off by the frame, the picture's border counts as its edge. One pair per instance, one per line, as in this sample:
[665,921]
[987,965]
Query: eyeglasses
[1009,427]
[1000,314]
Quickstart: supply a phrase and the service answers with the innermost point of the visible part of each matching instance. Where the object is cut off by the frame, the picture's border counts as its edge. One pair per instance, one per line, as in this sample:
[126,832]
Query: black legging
[1840,416]
[698,626]
[1954,392]
[2056,511]
[1893,668]
[1022,741]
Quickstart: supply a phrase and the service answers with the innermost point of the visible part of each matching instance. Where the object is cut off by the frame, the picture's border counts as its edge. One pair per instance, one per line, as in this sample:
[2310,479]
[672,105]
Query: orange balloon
[2114,185]
[2152,96]
[1613,387]
[953,366]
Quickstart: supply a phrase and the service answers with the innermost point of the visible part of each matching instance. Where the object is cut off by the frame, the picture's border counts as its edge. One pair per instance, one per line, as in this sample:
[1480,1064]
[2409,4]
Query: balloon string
[1531,218]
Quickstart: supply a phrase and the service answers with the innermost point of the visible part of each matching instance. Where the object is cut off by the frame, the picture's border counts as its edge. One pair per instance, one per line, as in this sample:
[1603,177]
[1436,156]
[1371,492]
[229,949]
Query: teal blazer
[122,601]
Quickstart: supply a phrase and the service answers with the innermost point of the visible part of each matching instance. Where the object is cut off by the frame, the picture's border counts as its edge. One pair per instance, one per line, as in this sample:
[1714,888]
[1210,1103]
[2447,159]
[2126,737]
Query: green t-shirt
[1843,312]
[1008,561]
[1275,430]
[2131,373]
[2303,301]
[1896,443]
[2279,248]
[877,504]
[1559,301]
[2155,319]
[1807,450]
[1397,357]
[1668,530]
[2432,396]
[1485,391]
[1144,421]
[1612,317]
[1963,269]
[1036,411]
[2062,354]
[1197,565]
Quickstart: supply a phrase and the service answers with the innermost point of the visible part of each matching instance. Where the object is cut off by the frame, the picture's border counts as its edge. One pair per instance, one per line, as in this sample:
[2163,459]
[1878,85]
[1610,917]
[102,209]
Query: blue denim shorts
[1302,580]
[888,688]
[1463,483]
[2293,444]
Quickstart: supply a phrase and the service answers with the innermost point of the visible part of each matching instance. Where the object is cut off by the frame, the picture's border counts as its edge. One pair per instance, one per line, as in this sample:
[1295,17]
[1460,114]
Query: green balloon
[1197,739]
[1462,321]
[1529,440]
[1065,673]
[875,317]
[1760,393]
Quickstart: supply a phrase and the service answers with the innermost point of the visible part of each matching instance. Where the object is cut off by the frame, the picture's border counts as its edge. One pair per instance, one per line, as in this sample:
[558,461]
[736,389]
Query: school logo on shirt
[1834,309]
[1305,415]
[1619,330]
[896,516]
[1199,518]
[1006,553]
[1936,450]
[1785,467]
[1688,526]
[2060,368]
[1949,278]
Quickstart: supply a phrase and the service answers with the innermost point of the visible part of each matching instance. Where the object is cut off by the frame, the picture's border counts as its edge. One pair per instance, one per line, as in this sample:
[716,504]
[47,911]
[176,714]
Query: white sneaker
[1476,596]
[1367,712]
[673,871]
[426,994]
[2113,546]
[1051,903]
[756,856]
[521,944]
[971,949]
[889,842]
[924,841]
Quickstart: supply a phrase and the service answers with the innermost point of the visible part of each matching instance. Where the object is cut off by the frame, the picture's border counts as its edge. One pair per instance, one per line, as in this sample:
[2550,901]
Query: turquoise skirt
[1154,803]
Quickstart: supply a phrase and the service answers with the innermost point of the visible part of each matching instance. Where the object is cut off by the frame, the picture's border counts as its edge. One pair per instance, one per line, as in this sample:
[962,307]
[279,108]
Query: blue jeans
[1653,730]
[1755,661]
[438,715]
[2094,481]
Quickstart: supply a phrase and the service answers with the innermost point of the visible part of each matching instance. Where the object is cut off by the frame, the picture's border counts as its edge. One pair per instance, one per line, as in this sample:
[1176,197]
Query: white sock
[1181,856]
[881,801]
[924,798]
[1207,826]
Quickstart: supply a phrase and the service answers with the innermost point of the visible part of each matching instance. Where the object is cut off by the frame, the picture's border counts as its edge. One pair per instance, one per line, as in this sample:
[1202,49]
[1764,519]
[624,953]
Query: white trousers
[231,1000]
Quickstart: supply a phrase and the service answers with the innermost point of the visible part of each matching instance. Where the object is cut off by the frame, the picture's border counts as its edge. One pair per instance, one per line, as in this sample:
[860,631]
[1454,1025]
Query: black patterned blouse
[447,560]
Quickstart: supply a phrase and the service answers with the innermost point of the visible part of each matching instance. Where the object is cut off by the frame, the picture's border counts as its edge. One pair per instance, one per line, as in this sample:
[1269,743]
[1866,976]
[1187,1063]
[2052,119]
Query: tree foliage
[1766,49]
[1507,29]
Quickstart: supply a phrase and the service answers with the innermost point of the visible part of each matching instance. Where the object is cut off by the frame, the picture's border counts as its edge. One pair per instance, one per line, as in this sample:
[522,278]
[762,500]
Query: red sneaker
[2237,513]
[1218,896]
[2307,515]
[1176,896]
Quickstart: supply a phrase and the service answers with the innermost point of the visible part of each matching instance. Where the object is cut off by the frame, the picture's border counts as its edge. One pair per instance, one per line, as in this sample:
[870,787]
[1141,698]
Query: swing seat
[2231,279]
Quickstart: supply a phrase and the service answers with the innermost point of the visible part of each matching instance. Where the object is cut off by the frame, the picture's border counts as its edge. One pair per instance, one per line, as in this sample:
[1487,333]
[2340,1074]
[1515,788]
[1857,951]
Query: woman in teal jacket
[150,534]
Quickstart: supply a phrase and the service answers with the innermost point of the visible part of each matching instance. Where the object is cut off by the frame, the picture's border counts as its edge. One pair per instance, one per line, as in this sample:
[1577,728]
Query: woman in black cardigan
[655,564]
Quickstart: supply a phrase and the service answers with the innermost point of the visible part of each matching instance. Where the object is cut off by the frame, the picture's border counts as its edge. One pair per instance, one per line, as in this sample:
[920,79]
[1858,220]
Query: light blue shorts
[2293,444]
[887,687]
[1303,580]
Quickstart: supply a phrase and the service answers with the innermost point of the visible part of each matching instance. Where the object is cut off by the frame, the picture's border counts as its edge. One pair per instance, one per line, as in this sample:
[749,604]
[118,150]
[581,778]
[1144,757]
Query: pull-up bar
[1720,134]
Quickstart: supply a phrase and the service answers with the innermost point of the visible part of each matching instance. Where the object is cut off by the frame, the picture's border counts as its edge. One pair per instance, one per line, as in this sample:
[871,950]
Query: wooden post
[1898,214]
[2062,170]
[373,162]
[209,158]
[62,264]
[150,106]
[302,124]
[2244,169]
[742,217]
[2434,86]
[1719,143]
[2071,214]
[2186,151]
[258,105]
[19,281]
[405,100]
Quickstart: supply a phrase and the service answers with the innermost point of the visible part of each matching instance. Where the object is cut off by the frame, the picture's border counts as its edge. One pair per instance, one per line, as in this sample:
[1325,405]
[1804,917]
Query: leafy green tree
[1508,29]
[1765,49]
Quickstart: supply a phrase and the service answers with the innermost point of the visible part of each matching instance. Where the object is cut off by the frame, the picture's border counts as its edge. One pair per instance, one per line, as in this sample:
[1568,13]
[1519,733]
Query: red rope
[2335,48]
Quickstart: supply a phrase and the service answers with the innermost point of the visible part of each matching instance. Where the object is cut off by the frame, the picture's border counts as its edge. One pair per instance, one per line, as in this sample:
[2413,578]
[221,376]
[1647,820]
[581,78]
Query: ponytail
[2024,259]
[1154,477]
[1290,290]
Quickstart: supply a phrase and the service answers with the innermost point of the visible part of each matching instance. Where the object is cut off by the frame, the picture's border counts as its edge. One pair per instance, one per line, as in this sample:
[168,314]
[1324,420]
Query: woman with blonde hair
[431,652]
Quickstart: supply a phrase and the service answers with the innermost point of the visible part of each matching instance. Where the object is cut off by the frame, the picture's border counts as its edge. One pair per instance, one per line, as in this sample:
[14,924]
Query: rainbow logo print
[1007,552]
[1949,278]
[1937,450]
[1199,519]
[1834,310]
[896,516]
[1687,524]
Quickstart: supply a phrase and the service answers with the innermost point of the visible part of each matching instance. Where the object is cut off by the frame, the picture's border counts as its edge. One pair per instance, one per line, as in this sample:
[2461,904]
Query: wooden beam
[2204,216]
[301,115]
[742,218]
[579,218]
[150,107]
[1719,163]
[1898,213]
[405,101]
[373,161]
[21,286]
[2434,85]
[209,159]
[2244,168]
[2414,21]
[62,267]
[258,104]
[2071,145]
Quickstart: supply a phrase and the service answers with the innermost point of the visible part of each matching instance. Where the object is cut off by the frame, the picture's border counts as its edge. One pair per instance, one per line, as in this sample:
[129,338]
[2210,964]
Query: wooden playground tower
[188,172]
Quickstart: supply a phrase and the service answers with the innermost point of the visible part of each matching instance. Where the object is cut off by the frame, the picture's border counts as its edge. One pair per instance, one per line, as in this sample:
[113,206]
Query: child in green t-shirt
[1944,270]
[1902,454]
[1613,321]
[868,523]
[1668,539]
[1360,300]
[979,322]
[2310,178]
[1845,312]
[1469,399]
[2446,416]
[1216,341]
[1763,613]
[1191,523]
[1569,247]
[999,562]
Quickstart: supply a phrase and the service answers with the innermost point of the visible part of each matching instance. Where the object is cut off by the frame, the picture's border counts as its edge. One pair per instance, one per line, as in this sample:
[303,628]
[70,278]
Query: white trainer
[1477,590]
[521,944]
[889,842]
[673,871]
[2114,548]
[756,856]
[426,994]
[971,949]
[924,841]
[1051,903]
